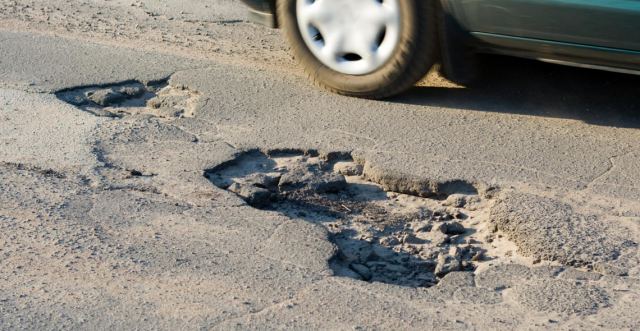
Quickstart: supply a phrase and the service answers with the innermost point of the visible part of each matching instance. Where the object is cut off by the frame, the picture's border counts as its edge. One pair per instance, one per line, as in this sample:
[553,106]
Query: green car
[379,48]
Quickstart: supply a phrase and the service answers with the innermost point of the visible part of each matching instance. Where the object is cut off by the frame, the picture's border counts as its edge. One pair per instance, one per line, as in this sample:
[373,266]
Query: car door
[603,23]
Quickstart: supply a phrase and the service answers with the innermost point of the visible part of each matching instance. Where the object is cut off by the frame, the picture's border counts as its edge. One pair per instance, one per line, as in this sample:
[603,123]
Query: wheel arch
[457,54]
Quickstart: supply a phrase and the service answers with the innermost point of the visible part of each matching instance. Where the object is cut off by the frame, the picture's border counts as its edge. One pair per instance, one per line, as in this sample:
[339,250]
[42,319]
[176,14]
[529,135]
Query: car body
[599,34]
[262,12]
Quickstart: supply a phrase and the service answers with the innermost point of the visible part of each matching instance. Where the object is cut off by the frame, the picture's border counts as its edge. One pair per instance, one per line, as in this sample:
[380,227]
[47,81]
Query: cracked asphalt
[108,222]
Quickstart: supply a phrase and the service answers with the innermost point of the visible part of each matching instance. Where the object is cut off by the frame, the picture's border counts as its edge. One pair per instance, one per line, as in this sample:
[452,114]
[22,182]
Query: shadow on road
[517,86]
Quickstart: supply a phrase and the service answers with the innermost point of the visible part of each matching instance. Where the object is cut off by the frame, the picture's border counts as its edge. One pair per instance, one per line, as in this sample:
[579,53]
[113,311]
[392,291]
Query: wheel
[362,48]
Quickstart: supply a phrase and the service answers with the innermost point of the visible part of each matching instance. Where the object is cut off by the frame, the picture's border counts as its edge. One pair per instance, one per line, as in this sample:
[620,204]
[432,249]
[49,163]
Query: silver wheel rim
[353,37]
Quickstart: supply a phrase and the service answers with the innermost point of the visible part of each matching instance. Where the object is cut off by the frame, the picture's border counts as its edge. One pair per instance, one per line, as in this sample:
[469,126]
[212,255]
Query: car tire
[415,53]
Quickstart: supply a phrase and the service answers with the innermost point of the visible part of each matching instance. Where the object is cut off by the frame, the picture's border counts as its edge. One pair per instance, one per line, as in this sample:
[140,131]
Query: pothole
[158,99]
[382,236]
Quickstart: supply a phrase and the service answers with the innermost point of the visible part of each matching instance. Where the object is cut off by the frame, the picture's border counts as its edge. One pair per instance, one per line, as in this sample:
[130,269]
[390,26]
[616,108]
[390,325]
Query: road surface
[123,124]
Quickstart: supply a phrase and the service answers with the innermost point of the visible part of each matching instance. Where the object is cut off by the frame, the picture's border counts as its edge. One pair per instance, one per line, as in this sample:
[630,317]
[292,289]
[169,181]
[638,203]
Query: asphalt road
[107,220]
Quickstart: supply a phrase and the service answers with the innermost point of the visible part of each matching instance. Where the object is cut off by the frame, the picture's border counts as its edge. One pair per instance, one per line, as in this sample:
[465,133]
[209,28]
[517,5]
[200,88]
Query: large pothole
[382,236]
[158,99]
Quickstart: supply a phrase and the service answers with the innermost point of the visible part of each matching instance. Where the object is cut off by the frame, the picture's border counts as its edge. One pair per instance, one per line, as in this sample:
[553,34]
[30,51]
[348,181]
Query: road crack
[609,170]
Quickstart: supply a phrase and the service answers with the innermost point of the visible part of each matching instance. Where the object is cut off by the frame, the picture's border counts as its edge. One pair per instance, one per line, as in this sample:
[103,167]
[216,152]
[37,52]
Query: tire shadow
[527,87]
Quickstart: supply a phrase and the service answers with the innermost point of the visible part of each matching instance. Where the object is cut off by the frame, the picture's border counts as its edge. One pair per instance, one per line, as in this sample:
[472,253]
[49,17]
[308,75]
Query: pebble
[454,228]
[362,270]
[456,200]
[451,228]
[446,264]
[255,196]
[268,180]
[105,97]
[330,183]
[435,237]
[132,91]
[312,179]
[419,226]
[355,250]
[383,253]
[348,168]
[411,239]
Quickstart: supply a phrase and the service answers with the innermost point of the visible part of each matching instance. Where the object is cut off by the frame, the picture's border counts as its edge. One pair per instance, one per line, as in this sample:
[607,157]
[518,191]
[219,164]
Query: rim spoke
[314,13]
[385,15]
[333,46]
[368,39]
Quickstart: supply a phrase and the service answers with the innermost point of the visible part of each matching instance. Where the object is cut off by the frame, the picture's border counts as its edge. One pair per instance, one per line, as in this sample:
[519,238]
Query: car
[380,48]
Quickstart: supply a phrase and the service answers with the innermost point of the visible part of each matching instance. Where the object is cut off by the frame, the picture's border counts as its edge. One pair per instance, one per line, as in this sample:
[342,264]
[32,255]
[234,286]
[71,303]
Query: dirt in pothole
[381,236]
[158,99]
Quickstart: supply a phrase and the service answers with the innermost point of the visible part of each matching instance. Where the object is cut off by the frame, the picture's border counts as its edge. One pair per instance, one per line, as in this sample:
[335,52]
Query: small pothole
[382,236]
[158,99]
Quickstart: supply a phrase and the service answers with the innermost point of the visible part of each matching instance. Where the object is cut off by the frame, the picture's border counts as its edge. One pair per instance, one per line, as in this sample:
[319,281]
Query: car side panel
[611,59]
[603,23]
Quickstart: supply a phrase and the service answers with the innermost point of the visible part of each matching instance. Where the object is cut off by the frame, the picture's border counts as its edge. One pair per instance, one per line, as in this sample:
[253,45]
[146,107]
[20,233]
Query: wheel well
[457,56]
